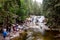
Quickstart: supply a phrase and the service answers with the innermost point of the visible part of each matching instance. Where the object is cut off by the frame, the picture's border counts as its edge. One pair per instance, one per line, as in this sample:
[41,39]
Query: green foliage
[11,9]
[7,12]
[34,8]
[51,9]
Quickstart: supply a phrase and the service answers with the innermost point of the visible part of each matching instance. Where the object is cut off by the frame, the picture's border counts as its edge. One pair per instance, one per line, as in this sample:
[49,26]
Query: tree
[12,9]
[8,10]
[51,11]
[34,8]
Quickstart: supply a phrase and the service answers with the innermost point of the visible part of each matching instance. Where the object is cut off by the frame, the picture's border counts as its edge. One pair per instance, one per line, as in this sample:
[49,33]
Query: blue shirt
[5,33]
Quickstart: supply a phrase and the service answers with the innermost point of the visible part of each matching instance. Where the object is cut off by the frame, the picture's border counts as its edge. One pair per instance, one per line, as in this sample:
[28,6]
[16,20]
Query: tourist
[9,29]
[5,33]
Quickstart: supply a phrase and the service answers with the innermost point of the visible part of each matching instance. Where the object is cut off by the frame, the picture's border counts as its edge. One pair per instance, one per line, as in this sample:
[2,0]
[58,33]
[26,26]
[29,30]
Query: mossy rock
[23,35]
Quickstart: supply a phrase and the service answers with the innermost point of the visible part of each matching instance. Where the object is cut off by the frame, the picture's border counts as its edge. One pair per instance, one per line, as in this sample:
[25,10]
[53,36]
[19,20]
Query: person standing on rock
[5,33]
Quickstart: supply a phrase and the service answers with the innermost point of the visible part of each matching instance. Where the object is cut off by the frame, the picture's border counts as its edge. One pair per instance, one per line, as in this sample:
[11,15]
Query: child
[4,33]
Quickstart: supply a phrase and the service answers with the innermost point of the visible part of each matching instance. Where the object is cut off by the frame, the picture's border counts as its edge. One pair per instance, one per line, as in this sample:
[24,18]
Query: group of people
[14,28]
